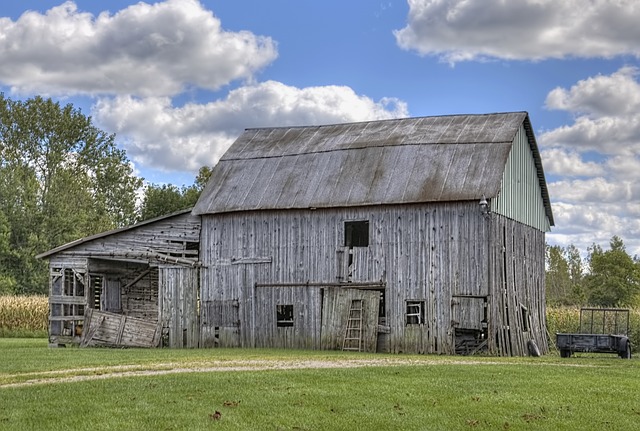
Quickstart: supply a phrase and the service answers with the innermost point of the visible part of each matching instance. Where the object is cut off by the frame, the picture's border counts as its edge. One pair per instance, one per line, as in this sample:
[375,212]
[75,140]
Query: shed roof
[412,160]
[80,241]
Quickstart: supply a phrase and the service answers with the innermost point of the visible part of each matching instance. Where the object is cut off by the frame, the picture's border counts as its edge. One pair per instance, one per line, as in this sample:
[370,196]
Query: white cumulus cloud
[146,49]
[185,138]
[459,30]
[598,160]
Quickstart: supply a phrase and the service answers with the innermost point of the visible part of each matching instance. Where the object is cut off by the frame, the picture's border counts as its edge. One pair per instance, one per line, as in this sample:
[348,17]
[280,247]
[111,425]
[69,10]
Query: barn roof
[412,160]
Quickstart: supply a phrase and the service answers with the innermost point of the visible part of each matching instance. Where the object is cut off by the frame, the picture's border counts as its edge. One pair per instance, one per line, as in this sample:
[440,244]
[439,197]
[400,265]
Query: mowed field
[237,389]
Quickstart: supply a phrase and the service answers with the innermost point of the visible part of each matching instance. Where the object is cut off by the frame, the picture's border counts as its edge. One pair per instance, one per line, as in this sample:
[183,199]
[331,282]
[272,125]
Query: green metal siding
[520,196]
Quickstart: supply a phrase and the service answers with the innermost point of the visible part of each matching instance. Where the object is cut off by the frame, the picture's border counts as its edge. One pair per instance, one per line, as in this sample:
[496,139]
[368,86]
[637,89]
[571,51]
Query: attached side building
[375,236]
[135,286]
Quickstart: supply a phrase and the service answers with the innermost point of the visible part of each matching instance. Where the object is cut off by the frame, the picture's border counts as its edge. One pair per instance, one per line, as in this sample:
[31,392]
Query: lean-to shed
[421,235]
[135,286]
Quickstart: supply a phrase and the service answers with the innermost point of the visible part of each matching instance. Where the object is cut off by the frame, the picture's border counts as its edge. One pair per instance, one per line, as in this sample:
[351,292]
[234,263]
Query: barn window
[356,233]
[284,315]
[414,314]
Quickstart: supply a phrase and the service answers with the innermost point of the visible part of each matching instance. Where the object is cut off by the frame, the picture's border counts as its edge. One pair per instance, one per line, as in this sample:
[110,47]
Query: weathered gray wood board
[102,328]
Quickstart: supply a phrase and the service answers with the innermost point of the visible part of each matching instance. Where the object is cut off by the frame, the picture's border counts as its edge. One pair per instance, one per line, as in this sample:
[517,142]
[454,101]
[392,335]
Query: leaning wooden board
[102,328]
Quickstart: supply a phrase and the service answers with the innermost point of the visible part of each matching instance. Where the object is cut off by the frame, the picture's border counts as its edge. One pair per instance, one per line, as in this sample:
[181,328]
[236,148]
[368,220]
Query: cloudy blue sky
[178,80]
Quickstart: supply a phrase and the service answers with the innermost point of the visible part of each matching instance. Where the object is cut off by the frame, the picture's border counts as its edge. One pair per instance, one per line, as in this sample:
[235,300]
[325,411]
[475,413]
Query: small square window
[356,233]
[414,314]
[284,315]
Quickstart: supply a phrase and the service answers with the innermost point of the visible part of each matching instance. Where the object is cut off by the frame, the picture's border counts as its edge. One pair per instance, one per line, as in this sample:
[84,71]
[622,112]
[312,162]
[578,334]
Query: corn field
[24,316]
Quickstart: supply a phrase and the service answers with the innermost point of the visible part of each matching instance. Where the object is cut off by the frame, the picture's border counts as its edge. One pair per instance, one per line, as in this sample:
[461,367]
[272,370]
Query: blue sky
[179,80]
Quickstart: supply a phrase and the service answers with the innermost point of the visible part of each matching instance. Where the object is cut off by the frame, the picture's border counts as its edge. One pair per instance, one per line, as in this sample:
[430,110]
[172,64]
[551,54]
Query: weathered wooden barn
[136,286]
[421,235]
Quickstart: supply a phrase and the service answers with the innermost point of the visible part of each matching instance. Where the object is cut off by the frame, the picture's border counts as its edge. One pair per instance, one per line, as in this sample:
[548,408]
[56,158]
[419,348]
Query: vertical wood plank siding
[423,252]
[520,197]
[517,277]
[179,305]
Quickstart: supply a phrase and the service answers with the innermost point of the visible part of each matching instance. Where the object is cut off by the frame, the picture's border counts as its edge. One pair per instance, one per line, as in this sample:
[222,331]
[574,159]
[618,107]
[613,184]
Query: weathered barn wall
[435,256]
[431,254]
[518,311]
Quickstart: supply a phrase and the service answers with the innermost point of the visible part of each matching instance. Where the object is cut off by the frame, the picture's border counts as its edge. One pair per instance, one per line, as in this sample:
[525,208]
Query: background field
[237,389]
[26,316]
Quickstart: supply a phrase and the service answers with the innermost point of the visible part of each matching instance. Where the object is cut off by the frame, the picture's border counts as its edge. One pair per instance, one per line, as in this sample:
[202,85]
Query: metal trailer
[602,330]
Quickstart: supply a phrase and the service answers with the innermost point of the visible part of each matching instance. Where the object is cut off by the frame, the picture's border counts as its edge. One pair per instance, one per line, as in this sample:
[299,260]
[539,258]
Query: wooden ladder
[353,334]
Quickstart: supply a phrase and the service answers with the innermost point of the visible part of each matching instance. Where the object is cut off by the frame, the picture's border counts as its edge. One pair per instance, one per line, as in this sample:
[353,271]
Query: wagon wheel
[626,352]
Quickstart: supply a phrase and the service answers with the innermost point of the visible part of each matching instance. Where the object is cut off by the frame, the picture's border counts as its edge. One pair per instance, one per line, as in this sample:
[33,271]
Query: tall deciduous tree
[61,178]
[166,198]
[558,279]
[614,277]
[576,274]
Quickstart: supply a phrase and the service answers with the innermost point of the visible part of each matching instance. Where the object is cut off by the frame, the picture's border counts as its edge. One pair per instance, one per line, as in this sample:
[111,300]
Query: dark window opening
[356,233]
[284,315]
[414,314]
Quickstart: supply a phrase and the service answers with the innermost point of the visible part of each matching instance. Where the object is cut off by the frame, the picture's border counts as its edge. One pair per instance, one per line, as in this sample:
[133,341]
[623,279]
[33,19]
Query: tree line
[605,278]
[62,178]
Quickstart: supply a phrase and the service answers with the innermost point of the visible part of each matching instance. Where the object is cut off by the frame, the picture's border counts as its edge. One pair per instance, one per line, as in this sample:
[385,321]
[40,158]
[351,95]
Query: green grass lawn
[387,392]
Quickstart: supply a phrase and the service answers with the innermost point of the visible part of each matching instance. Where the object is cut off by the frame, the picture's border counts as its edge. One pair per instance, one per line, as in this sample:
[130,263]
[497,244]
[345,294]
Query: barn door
[179,297]
[336,306]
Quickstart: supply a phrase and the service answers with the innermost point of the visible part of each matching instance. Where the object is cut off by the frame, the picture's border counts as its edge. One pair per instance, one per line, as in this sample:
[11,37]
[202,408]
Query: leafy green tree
[203,178]
[558,279]
[614,277]
[61,178]
[564,276]
[576,273]
[162,199]
[7,281]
